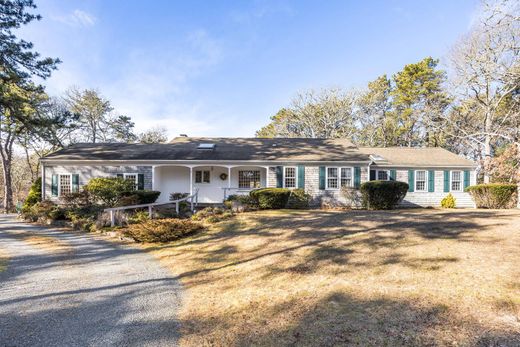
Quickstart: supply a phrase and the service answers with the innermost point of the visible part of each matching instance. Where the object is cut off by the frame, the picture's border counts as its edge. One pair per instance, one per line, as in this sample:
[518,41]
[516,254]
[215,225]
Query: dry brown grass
[409,277]
[47,243]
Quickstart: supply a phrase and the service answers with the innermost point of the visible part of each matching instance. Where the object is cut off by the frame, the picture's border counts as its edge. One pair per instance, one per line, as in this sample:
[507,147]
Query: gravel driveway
[70,289]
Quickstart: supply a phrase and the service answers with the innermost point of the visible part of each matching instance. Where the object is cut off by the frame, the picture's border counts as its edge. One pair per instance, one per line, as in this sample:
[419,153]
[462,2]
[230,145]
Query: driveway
[71,289]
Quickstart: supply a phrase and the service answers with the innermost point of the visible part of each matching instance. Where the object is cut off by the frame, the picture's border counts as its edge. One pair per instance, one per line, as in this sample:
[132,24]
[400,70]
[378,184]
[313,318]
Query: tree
[96,120]
[154,135]
[419,101]
[18,96]
[377,122]
[486,75]
[325,114]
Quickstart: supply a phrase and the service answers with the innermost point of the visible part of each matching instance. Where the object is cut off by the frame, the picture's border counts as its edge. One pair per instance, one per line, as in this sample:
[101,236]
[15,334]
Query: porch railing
[193,198]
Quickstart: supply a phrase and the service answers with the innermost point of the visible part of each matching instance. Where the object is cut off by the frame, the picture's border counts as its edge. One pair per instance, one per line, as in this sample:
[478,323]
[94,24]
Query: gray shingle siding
[87,172]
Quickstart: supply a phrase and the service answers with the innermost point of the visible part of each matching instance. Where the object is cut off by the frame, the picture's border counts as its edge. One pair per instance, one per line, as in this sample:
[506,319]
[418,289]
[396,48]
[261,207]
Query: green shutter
[357,177]
[75,183]
[279,176]
[54,186]
[140,181]
[322,177]
[431,181]
[466,179]
[446,181]
[301,176]
[372,175]
[393,175]
[411,180]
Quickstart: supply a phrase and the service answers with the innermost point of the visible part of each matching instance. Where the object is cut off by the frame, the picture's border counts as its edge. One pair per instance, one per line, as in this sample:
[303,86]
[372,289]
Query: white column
[229,176]
[153,177]
[191,180]
[43,182]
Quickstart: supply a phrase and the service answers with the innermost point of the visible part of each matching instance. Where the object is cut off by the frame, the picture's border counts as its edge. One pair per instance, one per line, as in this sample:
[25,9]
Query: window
[132,177]
[332,178]
[420,181]
[339,177]
[289,177]
[383,175]
[346,177]
[249,179]
[65,184]
[456,181]
[202,176]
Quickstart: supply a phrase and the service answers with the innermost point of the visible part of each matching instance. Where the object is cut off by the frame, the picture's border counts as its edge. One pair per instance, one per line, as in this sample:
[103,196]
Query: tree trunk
[8,186]
[487,147]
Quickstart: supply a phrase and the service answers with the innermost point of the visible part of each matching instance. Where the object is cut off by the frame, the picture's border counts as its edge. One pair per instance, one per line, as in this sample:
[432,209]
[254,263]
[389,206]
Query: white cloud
[77,18]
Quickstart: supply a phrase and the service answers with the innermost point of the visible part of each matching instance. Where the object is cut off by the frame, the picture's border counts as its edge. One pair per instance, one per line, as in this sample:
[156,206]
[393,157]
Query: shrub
[383,195]
[270,198]
[141,196]
[162,230]
[241,203]
[494,195]
[178,196]
[76,199]
[84,218]
[352,197]
[448,201]
[108,190]
[34,196]
[298,199]
[138,217]
[44,210]
[212,214]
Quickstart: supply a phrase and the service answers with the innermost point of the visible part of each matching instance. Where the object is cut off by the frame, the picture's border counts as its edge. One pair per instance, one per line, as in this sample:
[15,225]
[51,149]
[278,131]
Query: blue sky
[222,68]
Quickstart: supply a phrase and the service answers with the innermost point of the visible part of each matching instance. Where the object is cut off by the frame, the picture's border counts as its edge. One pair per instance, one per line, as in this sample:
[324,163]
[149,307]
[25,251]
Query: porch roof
[225,149]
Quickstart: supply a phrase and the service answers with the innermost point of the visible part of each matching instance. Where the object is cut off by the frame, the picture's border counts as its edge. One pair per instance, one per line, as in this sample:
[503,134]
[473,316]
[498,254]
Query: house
[219,167]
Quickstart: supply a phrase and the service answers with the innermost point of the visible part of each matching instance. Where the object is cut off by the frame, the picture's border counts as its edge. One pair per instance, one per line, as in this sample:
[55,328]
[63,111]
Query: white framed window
[332,178]
[289,177]
[346,177]
[132,177]
[337,177]
[249,179]
[456,181]
[421,176]
[383,175]
[202,176]
[65,184]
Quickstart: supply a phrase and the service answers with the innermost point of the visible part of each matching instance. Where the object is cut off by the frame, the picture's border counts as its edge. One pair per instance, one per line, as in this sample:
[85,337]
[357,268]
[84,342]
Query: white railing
[238,191]
[194,201]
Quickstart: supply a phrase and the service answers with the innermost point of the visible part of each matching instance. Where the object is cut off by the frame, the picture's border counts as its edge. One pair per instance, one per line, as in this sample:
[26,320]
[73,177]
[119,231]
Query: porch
[214,182]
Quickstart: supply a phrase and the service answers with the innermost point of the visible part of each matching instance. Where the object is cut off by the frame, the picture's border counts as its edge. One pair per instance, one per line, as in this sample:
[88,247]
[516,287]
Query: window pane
[382,175]
[420,180]
[332,172]
[346,177]
[65,184]
[456,180]
[206,177]
[290,177]
[249,179]
[198,176]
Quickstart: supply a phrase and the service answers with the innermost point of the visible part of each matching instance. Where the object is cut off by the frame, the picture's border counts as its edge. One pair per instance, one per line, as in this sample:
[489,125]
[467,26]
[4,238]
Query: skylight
[377,157]
[206,146]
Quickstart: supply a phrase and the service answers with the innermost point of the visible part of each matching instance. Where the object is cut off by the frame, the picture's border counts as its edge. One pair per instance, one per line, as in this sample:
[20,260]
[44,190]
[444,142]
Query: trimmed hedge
[494,195]
[271,198]
[382,195]
[142,196]
[34,196]
[162,230]
[298,199]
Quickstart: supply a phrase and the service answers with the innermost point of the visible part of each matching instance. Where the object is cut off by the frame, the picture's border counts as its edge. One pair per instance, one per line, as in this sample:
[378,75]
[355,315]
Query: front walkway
[69,289]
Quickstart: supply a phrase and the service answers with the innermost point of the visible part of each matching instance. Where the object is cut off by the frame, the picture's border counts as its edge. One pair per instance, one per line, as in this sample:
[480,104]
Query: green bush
[44,210]
[84,218]
[138,217]
[241,203]
[494,195]
[383,195]
[298,199]
[448,201]
[34,196]
[212,214]
[141,196]
[108,190]
[77,199]
[270,198]
[162,230]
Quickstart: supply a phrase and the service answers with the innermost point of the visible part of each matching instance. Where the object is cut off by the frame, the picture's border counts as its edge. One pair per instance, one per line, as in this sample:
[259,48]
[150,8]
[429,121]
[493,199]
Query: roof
[407,156]
[225,149]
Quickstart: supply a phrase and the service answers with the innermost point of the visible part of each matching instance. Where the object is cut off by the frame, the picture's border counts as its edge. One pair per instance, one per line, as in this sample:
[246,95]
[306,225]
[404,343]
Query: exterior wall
[171,179]
[433,199]
[87,172]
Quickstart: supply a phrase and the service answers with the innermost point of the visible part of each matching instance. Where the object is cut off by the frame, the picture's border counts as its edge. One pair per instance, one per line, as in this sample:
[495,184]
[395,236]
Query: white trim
[426,174]
[387,174]
[295,176]
[125,174]
[461,181]
[339,168]
[59,182]
[202,177]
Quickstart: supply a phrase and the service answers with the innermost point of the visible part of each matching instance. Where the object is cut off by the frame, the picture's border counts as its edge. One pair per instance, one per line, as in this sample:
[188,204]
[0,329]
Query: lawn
[408,277]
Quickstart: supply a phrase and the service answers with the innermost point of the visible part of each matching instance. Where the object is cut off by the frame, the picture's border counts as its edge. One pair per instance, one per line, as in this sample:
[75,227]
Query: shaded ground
[409,277]
[68,289]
